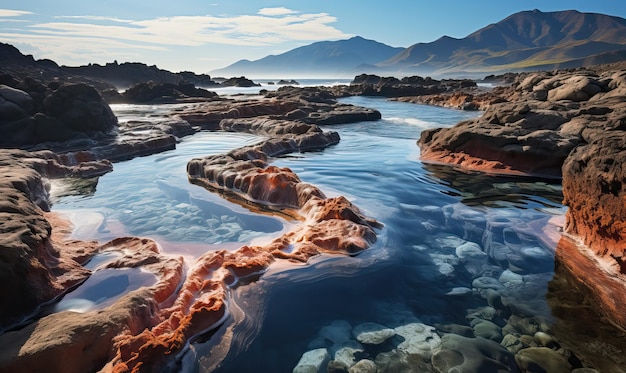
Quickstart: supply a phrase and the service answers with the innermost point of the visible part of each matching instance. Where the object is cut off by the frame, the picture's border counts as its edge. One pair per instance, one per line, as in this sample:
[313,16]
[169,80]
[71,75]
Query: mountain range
[529,40]
[324,58]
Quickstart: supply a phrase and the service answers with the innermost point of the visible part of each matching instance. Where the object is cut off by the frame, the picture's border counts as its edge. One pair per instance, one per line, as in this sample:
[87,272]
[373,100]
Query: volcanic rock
[239,82]
[35,270]
[158,92]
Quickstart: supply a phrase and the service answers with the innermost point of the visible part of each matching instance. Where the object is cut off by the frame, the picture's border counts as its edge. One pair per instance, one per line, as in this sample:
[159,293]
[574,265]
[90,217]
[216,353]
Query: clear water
[416,270]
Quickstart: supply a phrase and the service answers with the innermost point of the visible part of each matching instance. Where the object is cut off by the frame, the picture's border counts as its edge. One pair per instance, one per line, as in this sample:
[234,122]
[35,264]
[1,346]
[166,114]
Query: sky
[203,35]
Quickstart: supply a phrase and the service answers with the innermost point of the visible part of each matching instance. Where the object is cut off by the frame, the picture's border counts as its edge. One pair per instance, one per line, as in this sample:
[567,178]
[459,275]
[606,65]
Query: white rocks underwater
[499,267]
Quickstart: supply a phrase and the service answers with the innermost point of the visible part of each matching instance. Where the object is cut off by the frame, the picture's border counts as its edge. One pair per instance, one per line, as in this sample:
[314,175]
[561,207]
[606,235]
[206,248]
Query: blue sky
[202,35]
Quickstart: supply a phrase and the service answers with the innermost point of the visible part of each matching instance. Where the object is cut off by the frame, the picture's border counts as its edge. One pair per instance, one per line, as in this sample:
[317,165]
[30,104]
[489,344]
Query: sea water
[444,233]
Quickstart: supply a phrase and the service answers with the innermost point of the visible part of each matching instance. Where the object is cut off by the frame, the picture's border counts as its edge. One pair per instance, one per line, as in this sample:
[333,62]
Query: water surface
[425,266]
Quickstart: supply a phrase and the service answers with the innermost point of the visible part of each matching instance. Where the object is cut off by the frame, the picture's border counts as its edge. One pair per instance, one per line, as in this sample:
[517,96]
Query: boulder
[159,92]
[542,359]
[81,108]
[239,82]
[472,355]
[372,333]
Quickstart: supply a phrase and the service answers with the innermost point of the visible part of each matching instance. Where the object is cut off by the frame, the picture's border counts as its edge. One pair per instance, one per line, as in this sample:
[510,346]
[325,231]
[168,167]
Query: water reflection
[498,191]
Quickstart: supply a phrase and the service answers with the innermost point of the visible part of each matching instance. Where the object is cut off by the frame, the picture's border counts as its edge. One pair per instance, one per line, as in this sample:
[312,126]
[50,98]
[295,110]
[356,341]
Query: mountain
[529,40]
[523,41]
[325,59]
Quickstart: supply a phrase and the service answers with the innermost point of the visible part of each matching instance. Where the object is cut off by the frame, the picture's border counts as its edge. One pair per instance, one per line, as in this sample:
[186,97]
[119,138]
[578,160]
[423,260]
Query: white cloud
[97,18]
[252,30]
[13,13]
[280,11]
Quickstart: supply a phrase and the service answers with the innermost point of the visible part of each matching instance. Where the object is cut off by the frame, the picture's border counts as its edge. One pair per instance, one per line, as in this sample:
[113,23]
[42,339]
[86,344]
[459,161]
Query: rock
[400,361]
[363,366]
[565,124]
[81,108]
[372,333]
[419,339]
[463,330]
[17,97]
[513,343]
[470,250]
[508,138]
[159,92]
[313,361]
[287,82]
[348,355]
[36,268]
[487,329]
[575,88]
[73,342]
[594,191]
[239,82]
[542,359]
[50,343]
[472,355]
[338,332]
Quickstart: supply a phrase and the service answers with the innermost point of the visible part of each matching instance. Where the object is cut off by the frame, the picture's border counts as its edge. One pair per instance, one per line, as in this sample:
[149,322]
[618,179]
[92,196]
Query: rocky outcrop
[159,92]
[511,137]
[57,112]
[140,329]
[310,105]
[127,74]
[470,99]
[373,85]
[34,269]
[77,342]
[239,82]
[567,124]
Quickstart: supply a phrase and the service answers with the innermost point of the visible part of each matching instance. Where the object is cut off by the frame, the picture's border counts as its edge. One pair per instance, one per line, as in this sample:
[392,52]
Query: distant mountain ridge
[519,42]
[325,58]
[527,40]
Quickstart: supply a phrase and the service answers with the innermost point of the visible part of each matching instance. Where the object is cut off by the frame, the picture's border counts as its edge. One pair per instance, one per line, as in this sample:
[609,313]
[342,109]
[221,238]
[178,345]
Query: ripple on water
[103,288]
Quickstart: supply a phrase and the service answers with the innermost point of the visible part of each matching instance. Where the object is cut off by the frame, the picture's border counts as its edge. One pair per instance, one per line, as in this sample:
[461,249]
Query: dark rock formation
[130,73]
[151,92]
[239,82]
[32,113]
[373,85]
[287,82]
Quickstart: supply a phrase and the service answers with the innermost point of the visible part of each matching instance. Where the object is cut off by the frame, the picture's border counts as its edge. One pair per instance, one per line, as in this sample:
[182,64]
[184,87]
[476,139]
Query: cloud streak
[13,13]
[269,26]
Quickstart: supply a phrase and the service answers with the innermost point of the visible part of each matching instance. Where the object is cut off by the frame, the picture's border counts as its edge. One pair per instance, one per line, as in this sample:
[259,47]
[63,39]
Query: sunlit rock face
[87,339]
[588,302]
[245,171]
[519,137]
[533,131]
[35,269]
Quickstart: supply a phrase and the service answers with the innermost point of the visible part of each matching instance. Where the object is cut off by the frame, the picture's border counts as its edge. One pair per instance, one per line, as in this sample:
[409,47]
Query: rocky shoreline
[142,328]
[567,124]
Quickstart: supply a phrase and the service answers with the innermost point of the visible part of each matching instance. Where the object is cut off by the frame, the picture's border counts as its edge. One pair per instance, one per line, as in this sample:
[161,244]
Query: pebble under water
[455,246]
